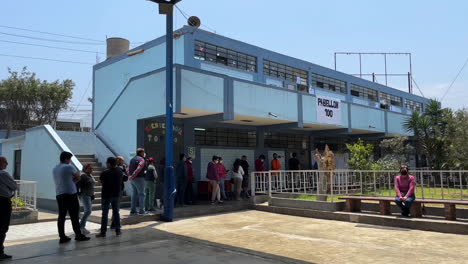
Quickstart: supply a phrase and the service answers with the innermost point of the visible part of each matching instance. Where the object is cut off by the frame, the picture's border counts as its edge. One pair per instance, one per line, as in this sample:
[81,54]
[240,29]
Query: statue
[326,166]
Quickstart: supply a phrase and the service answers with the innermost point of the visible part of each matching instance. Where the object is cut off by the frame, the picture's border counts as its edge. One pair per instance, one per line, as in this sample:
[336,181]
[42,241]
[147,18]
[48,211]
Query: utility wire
[47,59]
[53,40]
[456,77]
[48,33]
[417,86]
[51,47]
[82,96]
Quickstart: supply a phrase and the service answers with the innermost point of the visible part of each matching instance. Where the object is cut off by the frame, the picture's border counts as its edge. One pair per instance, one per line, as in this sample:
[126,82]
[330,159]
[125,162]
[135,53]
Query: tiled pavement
[28,231]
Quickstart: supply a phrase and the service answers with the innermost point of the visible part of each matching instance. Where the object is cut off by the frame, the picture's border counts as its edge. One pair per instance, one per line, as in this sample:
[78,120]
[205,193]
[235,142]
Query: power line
[47,59]
[53,40]
[456,77]
[417,86]
[79,103]
[48,33]
[51,47]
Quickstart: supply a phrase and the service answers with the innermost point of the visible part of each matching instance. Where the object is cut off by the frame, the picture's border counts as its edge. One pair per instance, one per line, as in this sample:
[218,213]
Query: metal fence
[25,196]
[436,184]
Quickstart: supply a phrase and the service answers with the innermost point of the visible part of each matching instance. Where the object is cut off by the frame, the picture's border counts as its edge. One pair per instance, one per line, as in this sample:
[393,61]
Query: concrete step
[87,156]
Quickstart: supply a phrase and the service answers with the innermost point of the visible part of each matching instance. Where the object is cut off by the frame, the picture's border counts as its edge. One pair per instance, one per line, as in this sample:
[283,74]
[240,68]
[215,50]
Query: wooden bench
[353,204]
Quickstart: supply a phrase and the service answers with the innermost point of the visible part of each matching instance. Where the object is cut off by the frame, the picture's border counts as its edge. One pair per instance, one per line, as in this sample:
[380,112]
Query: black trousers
[5,214]
[68,203]
[189,193]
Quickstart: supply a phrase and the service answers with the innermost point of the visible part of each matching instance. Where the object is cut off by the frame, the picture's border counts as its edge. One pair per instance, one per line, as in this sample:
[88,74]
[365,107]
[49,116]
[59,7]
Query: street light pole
[167,7]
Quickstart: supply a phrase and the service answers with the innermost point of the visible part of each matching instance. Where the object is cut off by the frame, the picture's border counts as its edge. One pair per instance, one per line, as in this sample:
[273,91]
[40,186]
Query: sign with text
[328,110]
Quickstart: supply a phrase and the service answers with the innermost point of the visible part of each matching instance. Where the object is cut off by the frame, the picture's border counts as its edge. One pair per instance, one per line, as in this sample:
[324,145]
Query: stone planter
[306,204]
[23,216]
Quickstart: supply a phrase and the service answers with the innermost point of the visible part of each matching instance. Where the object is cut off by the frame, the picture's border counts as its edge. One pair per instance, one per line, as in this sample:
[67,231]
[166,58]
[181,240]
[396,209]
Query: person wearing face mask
[404,188]
[213,176]
[136,172]
[260,163]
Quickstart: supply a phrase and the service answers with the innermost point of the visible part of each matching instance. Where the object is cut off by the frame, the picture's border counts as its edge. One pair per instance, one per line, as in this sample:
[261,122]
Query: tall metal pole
[170,191]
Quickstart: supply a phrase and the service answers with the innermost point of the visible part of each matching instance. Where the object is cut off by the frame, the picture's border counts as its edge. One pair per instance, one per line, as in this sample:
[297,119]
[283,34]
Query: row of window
[328,83]
[208,52]
[285,72]
[220,55]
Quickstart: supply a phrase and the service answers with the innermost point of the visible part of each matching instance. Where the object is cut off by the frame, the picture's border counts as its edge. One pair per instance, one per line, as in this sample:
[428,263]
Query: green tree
[360,157]
[396,152]
[431,131]
[458,133]
[26,101]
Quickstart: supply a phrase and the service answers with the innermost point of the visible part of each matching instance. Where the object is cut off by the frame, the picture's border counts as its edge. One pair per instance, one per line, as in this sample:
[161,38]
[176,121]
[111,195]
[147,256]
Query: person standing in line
[111,180]
[212,175]
[65,178]
[86,195]
[121,165]
[245,181]
[294,163]
[150,178]
[260,163]
[190,180]
[136,172]
[160,183]
[7,190]
[222,173]
[404,189]
[238,176]
[275,163]
[181,179]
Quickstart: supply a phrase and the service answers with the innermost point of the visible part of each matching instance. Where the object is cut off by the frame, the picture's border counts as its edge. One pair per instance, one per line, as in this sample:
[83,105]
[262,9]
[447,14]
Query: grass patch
[314,197]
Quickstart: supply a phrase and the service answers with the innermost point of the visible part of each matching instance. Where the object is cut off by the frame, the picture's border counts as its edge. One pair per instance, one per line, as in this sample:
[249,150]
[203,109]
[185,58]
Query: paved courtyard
[251,237]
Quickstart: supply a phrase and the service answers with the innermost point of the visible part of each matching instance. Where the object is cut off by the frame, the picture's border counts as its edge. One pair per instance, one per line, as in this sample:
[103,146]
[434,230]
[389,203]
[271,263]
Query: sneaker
[85,231]
[100,235]
[64,240]
[118,233]
[82,238]
[5,257]
[220,202]
[212,202]
[143,213]
[133,214]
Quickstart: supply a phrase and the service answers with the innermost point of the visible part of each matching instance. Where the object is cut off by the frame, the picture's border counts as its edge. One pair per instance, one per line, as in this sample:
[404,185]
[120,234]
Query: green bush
[17,202]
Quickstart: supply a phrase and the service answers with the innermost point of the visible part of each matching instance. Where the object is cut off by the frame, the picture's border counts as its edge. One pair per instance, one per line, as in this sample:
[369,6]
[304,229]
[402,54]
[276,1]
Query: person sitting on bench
[404,188]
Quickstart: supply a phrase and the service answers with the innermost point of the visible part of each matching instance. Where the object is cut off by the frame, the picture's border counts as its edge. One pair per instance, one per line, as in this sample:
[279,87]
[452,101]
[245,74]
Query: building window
[207,52]
[388,99]
[285,72]
[225,137]
[286,141]
[413,105]
[328,83]
[367,93]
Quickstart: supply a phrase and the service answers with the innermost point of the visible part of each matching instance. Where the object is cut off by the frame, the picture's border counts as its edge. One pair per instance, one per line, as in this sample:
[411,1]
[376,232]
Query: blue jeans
[87,204]
[406,205]
[138,195]
[221,188]
[115,203]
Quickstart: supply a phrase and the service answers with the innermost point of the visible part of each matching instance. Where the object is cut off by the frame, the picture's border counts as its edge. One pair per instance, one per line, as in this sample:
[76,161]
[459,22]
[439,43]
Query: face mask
[221,162]
[262,160]
[404,172]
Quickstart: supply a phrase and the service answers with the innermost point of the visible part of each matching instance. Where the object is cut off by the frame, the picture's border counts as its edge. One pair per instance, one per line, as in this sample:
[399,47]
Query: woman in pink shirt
[404,189]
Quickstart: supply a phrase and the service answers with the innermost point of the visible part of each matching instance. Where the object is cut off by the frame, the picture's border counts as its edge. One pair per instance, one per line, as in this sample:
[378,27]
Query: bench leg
[450,212]
[384,207]
[416,209]
[353,205]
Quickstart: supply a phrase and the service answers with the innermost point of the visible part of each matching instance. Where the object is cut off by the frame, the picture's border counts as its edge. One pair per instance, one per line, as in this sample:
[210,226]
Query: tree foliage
[27,101]
[360,157]
[431,131]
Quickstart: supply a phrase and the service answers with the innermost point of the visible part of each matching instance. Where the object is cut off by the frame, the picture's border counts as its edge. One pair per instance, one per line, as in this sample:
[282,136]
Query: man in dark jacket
[181,179]
[7,190]
[294,163]
[136,176]
[111,180]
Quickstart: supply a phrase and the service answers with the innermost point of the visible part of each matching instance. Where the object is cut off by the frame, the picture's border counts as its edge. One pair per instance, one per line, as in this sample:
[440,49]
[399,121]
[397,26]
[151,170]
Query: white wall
[142,99]
[229,156]
[8,150]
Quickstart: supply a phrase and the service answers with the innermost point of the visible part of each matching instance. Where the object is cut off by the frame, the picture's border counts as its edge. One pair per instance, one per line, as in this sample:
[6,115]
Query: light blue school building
[230,99]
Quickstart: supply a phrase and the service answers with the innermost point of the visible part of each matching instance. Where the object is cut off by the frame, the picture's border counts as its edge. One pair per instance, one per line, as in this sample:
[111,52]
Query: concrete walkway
[251,237]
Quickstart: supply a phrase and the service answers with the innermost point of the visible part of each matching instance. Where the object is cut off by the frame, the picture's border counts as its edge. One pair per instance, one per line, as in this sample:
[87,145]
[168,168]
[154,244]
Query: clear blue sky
[435,32]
